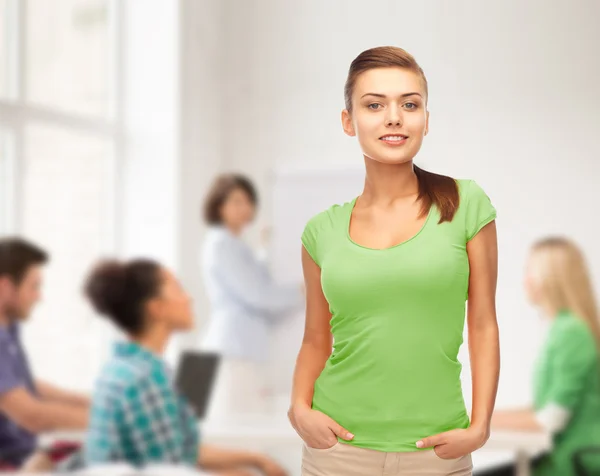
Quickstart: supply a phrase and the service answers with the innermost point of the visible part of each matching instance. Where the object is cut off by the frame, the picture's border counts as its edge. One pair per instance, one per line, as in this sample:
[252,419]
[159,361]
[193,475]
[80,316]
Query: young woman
[567,376]
[387,275]
[245,301]
[137,416]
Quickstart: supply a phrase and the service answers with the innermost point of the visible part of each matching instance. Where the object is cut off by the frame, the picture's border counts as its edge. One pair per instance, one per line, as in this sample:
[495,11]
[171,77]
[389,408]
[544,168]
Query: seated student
[567,377]
[27,406]
[137,416]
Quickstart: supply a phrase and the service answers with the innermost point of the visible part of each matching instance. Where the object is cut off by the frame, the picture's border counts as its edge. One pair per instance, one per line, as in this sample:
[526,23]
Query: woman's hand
[455,443]
[315,428]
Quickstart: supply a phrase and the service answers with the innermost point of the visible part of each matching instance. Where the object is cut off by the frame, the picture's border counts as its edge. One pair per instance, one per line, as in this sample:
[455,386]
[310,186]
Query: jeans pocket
[322,450]
[462,463]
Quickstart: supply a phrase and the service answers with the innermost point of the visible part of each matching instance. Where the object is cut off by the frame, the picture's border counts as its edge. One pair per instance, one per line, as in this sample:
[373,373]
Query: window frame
[16,113]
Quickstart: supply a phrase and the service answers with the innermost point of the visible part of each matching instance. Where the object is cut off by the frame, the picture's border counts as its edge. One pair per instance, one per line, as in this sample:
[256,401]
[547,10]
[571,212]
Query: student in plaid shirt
[137,416]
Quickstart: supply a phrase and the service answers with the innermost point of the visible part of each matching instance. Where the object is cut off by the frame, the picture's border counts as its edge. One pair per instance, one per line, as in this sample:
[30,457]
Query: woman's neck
[155,340]
[385,183]
[234,230]
[550,311]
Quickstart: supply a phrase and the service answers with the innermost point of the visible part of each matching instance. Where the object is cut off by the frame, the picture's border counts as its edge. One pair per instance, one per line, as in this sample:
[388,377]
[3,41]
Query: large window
[58,137]
[67,55]
[4,50]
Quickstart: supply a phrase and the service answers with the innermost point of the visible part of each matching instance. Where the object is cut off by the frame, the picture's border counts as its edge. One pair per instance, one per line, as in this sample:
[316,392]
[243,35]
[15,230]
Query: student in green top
[377,382]
[567,374]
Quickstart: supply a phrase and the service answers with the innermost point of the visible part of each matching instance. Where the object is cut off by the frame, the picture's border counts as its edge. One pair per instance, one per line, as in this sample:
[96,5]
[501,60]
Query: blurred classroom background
[115,117]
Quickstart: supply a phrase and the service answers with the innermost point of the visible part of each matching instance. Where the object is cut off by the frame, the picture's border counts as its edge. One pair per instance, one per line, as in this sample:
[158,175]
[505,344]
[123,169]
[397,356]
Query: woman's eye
[410,105]
[374,106]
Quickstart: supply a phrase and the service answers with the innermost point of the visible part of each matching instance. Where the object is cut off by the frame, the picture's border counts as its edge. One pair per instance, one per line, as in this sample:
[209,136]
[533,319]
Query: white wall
[149,180]
[513,102]
[201,140]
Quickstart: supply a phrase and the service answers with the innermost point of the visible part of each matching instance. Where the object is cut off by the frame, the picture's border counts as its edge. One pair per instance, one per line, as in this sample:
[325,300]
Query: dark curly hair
[119,290]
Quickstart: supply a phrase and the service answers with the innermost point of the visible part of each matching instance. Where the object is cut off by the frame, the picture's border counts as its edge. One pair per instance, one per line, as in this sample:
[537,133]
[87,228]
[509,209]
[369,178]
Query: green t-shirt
[397,322]
[567,374]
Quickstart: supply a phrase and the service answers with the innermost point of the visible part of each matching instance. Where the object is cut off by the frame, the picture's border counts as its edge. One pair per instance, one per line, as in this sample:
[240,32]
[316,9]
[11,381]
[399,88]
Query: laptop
[195,379]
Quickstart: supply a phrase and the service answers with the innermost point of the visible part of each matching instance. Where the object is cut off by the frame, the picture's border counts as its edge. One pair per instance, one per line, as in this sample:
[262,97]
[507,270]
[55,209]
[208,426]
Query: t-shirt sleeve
[480,210]
[8,378]
[309,239]
[573,359]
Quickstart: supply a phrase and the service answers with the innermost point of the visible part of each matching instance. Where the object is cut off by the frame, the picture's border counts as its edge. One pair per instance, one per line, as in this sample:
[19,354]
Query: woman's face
[389,114]
[238,210]
[173,306]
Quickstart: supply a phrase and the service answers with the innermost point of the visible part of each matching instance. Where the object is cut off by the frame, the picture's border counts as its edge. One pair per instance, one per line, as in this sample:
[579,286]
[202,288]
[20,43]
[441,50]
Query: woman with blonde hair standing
[567,374]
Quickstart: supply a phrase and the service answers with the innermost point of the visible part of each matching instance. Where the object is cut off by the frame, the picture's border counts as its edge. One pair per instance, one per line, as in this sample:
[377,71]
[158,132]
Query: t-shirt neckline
[412,238]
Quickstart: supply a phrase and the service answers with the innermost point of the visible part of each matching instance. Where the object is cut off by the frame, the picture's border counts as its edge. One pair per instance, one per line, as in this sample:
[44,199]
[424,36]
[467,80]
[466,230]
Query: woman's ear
[347,123]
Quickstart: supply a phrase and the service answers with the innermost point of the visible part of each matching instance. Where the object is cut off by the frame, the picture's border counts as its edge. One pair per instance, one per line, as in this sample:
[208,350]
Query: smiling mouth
[393,138]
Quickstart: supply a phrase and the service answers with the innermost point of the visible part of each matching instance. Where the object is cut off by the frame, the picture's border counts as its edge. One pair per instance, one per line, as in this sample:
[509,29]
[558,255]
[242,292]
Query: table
[263,431]
[523,444]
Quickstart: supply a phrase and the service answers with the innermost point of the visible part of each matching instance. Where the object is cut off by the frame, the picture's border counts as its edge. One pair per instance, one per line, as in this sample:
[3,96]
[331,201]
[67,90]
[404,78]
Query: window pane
[66,196]
[4,35]
[67,55]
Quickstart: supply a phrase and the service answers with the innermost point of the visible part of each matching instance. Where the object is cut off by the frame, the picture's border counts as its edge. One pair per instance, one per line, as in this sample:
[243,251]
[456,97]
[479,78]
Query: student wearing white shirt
[245,301]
